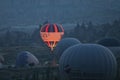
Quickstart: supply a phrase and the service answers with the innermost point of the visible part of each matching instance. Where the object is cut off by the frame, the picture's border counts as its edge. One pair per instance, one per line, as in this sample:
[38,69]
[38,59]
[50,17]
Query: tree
[114,30]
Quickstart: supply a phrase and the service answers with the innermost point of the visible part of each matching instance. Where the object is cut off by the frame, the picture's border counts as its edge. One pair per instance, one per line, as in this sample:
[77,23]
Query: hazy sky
[31,12]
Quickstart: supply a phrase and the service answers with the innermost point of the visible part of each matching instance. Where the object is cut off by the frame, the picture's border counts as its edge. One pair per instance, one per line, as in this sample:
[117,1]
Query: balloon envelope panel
[88,61]
[63,45]
[52,28]
[113,44]
[109,42]
[51,34]
[25,58]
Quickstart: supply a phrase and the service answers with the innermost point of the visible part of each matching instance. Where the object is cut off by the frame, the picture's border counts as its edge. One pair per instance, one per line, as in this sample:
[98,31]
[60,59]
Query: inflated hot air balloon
[112,43]
[51,34]
[87,62]
[109,42]
[63,45]
[25,59]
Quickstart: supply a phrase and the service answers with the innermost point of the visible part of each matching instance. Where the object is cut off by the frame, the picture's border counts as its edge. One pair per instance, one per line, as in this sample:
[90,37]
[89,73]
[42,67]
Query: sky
[34,12]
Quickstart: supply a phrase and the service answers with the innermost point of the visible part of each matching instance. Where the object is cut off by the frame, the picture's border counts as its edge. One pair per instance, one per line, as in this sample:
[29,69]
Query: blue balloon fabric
[63,45]
[25,59]
[88,62]
[109,42]
[112,43]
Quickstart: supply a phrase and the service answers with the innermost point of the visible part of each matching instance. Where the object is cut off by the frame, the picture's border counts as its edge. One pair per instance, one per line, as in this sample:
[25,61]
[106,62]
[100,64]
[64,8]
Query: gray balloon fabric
[25,59]
[112,43]
[63,45]
[116,51]
[88,62]
[109,42]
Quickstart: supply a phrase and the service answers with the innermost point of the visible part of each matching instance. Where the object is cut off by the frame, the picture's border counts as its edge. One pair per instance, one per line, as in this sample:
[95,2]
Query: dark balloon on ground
[88,61]
[63,45]
[112,43]
[25,59]
[109,42]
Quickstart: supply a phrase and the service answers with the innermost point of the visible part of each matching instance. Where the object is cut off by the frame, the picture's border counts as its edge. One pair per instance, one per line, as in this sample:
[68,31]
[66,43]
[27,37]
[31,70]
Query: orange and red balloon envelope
[51,34]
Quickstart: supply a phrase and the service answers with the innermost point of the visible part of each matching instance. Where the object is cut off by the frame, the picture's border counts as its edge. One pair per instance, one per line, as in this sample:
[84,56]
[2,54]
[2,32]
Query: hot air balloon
[51,34]
[87,62]
[109,42]
[25,59]
[63,45]
[112,43]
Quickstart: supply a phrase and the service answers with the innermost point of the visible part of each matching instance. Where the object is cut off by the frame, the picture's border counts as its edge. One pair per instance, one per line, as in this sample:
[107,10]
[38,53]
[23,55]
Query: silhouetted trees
[88,32]
[85,32]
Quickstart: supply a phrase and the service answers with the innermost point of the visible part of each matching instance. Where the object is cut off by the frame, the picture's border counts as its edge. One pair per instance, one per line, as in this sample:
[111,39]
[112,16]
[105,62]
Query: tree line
[85,32]
[89,32]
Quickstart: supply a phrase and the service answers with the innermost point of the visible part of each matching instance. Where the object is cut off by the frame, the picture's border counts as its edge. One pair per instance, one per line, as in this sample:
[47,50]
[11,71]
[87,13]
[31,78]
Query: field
[40,72]
[10,53]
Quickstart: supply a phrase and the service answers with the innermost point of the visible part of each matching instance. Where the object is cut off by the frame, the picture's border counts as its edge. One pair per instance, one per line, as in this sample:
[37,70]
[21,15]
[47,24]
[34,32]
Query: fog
[34,12]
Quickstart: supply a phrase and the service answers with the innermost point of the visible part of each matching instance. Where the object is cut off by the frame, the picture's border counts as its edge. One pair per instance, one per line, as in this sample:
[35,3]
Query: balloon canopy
[63,45]
[25,59]
[112,43]
[109,42]
[88,62]
[51,34]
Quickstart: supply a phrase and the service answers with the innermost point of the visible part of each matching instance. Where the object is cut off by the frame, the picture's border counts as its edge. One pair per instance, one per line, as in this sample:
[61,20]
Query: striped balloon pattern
[51,34]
